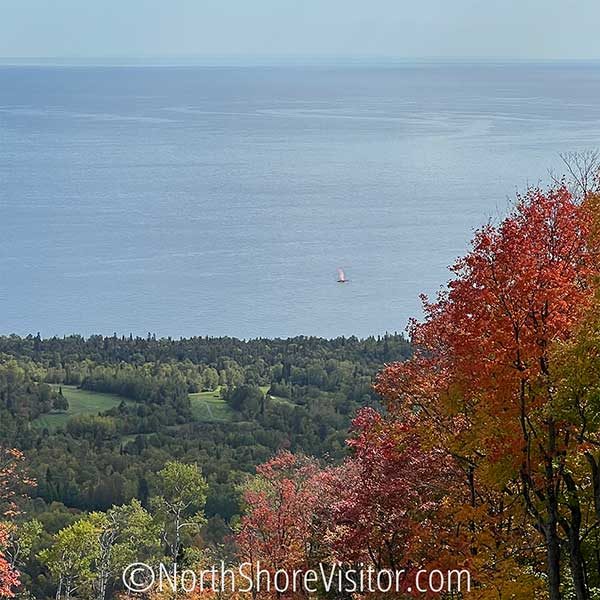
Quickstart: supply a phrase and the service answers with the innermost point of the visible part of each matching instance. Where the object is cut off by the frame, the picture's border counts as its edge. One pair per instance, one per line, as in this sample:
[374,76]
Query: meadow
[210,406]
[207,406]
[81,402]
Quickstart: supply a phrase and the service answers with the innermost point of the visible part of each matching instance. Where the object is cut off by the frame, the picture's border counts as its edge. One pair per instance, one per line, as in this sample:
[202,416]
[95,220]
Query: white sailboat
[342,276]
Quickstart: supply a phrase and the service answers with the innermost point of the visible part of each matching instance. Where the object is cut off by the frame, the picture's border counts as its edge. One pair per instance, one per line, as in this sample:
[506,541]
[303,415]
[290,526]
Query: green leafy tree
[60,401]
[180,504]
[86,557]
[71,557]
[20,540]
[210,379]
[127,534]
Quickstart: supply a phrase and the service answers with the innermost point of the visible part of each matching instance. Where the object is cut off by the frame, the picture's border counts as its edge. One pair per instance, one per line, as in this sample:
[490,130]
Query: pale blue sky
[334,28]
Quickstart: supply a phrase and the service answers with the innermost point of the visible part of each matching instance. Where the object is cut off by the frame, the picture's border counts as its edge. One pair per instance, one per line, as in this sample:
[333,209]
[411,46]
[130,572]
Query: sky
[353,29]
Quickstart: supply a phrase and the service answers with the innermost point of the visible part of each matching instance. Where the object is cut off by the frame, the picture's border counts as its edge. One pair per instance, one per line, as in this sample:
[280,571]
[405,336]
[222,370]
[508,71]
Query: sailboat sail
[341,276]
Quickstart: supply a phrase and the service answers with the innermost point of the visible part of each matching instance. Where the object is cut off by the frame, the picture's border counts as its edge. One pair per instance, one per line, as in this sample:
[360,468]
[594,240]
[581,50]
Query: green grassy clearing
[206,406]
[81,402]
[209,406]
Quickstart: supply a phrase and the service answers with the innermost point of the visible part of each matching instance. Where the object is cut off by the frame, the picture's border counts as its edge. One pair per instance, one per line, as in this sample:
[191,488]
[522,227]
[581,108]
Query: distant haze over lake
[221,201]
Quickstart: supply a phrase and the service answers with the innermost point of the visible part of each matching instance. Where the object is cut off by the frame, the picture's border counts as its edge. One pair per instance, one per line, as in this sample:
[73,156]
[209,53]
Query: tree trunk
[595,473]
[551,501]
[577,570]
[553,561]
[573,531]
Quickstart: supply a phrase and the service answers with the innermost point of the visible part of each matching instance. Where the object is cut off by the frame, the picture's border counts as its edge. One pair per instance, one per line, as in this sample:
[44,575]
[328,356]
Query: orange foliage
[481,382]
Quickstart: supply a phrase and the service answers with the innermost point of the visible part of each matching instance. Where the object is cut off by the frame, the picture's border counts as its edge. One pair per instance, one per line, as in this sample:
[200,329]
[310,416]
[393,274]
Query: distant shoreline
[279,62]
[205,338]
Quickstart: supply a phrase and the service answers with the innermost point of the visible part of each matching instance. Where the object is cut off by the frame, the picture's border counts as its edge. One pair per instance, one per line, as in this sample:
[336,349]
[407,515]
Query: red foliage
[383,507]
[460,469]
[389,506]
[9,577]
[279,528]
[522,287]
[13,481]
[482,373]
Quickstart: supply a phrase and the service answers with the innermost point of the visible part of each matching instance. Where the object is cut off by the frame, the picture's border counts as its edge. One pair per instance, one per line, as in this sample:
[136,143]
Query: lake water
[220,201]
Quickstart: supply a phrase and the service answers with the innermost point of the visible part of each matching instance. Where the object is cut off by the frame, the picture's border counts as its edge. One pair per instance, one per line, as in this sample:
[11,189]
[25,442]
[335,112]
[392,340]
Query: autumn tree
[13,485]
[14,481]
[21,537]
[481,380]
[279,528]
[576,374]
[389,500]
[9,576]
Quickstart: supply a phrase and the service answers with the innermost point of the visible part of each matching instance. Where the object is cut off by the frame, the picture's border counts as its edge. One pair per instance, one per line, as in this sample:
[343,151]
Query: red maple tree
[9,577]
[13,481]
[389,504]
[481,380]
[279,529]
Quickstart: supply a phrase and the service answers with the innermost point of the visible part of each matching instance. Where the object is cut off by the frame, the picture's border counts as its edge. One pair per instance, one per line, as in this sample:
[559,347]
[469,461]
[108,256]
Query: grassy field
[206,406]
[209,406]
[81,402]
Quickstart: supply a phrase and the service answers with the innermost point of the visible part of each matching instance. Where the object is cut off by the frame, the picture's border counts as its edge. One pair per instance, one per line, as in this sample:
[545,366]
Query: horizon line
[243,60]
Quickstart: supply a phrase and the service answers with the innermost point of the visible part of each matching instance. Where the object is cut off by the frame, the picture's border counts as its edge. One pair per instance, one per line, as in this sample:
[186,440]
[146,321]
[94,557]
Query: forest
[89,424]
[472,445]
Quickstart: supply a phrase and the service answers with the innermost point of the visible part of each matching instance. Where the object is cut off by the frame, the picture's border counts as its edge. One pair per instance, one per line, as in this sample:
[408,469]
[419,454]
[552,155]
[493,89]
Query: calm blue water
[219,201]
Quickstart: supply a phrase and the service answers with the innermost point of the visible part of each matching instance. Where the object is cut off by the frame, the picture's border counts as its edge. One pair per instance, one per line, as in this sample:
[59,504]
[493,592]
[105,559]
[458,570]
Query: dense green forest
[97,419]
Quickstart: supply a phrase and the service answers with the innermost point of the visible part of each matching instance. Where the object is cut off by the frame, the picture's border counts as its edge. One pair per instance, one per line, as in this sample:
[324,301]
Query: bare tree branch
[583,172]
